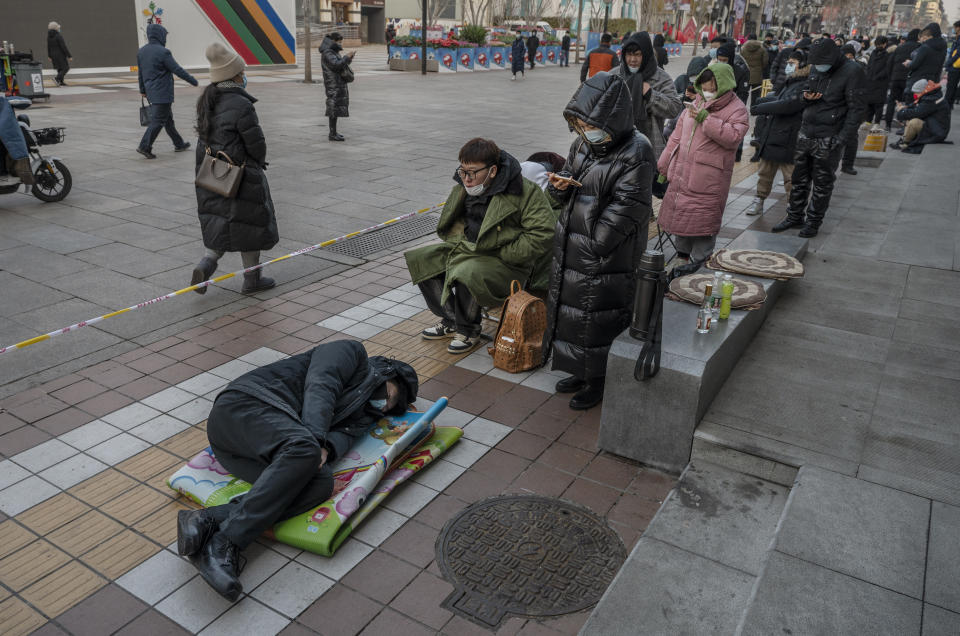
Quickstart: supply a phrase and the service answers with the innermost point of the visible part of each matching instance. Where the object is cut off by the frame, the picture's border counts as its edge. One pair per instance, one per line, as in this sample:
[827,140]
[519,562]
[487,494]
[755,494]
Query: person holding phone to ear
[338,97]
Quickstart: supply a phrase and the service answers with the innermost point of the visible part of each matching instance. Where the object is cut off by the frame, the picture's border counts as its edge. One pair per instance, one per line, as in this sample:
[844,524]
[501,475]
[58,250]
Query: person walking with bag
[336,75]
[58,53]
[227,123]
[600,234]
[698,163]
[156,68]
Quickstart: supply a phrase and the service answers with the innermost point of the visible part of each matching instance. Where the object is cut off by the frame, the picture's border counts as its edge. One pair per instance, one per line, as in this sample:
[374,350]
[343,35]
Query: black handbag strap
[648,363]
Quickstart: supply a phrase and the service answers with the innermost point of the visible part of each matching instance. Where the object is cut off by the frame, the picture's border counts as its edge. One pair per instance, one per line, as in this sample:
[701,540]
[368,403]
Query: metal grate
[385,238]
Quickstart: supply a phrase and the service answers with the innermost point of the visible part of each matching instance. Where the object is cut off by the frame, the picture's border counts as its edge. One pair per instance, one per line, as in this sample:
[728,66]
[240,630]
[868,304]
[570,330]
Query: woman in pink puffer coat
[698,162]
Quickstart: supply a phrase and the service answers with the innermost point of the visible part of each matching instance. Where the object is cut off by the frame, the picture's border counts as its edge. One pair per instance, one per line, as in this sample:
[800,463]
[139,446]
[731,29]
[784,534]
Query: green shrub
[474,33]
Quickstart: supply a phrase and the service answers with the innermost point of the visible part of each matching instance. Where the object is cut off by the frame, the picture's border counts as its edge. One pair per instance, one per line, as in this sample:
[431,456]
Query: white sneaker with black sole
[461,344]
[437,332]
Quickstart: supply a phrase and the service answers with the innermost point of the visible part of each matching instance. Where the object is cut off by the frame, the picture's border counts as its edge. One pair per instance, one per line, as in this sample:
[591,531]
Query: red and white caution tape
[217,279]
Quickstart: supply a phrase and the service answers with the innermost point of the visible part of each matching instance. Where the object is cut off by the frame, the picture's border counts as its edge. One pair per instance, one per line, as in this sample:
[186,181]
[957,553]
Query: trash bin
[29,78]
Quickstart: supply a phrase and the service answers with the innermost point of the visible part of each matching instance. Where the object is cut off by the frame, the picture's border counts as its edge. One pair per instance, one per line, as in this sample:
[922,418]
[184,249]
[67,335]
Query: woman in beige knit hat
[227,122]
[58,53]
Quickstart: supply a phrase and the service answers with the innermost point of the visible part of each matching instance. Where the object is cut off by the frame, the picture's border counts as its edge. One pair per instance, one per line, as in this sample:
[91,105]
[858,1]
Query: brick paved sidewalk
[86,547]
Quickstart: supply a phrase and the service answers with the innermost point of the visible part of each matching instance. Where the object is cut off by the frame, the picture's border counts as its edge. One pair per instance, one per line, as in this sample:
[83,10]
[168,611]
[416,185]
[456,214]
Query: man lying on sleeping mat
[280,427]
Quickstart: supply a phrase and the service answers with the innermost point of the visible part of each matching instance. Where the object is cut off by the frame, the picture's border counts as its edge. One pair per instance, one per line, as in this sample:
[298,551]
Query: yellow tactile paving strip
[17,618]
[123,552]
[150,463]
[53,513]
[30,564]
[103,487]
[13,537]
[63,589]
[85,533]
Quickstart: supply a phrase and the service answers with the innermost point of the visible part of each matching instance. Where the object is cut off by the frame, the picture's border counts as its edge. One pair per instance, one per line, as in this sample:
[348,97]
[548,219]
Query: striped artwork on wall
[253,29]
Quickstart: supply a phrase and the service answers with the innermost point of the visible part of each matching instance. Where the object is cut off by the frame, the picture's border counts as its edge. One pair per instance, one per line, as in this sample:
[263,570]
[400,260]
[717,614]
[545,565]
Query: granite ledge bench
[653,422]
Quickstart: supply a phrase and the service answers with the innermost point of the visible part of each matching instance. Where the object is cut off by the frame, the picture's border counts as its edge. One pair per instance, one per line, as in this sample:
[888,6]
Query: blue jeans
[564,58]
[10,134]
[161,116]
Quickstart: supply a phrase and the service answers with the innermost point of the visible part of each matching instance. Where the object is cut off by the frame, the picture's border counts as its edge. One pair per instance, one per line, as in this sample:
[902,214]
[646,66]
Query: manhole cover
[387,237]
[527,556]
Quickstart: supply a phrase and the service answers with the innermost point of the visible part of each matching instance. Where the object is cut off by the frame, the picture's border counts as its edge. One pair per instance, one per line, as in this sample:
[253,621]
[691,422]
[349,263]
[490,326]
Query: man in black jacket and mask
[832,115]
[898,72]
[927,64]
[279,427]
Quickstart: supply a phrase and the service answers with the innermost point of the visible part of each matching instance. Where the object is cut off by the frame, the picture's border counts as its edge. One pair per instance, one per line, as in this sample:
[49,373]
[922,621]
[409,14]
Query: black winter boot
[570,385]
[203,271]
[254,282]
[21,168]
[786,224]
[194,529]
[334,136]
[809,231]
[218,562]
[589,396]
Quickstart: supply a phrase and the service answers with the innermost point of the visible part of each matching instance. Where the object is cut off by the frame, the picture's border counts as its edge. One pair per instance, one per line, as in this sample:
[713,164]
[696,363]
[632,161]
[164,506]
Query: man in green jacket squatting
[496,227]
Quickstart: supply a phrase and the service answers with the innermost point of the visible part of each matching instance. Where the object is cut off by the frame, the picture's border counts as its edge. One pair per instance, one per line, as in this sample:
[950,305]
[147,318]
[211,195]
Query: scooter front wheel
[53,181]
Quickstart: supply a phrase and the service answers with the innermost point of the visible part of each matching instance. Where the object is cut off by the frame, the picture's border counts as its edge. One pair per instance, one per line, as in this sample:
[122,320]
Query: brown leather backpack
[518,344]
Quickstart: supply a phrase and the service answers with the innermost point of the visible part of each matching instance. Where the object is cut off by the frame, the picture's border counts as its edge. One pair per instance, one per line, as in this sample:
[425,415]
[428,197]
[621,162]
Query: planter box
[499,57]
[398,64]
[465,58]
[552,54]
[446,58]
[482,60]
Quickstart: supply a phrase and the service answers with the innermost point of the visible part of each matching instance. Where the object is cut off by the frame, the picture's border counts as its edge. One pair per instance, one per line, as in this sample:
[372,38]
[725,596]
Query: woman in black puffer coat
[246,223]
[601,232]
[334,65]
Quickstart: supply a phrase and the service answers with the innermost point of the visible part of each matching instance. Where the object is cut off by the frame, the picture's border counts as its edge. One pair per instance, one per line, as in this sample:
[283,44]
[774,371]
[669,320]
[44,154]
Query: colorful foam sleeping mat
[394,450]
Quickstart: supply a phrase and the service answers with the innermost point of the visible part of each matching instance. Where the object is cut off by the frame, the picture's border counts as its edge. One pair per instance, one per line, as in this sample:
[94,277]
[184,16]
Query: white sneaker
[513,78]
[461,344]
[437,332]
[756,207]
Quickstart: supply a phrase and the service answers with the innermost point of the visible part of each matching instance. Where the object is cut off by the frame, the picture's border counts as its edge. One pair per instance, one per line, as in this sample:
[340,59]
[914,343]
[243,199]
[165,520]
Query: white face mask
[709,94]
[594,136]
[380,404]
[476,190]
[633,69]
[790,68]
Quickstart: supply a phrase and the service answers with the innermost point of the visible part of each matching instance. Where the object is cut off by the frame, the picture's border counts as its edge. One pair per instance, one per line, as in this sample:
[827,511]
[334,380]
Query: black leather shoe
[203,271]
[848,170]
[185,146]
[218,562]
[335,137]
[786,224]
[808,231]
[570,385]
[194,529]
[587,397]
[146,153]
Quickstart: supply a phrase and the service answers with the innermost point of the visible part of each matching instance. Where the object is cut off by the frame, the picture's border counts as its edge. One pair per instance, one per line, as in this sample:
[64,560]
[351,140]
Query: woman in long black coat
[334,65]
[57,52]
[246,223]
[601,232]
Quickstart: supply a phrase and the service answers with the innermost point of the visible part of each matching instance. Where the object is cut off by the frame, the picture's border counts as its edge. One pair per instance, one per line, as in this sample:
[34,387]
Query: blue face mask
[790,68]
[713,53]
[380,405]
[594,136]
[822,68]
[244,81]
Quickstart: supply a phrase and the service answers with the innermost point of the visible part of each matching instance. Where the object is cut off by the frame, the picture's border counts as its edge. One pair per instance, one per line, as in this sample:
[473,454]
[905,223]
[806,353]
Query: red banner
[690,31]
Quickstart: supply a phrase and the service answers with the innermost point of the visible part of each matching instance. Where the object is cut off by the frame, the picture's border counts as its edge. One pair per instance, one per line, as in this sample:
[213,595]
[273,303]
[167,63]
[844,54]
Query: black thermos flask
[649,272]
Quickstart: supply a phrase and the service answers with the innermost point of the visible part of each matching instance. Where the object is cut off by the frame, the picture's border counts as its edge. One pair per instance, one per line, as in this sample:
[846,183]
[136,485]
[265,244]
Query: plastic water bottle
[716,295]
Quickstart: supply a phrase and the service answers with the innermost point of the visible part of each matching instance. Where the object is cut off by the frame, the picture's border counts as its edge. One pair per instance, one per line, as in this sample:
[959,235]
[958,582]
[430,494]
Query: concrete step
[693,569]
[850,557]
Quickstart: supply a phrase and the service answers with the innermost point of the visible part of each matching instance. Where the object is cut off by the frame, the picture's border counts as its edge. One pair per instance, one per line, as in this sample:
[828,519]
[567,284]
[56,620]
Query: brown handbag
[518,345]
[219,175]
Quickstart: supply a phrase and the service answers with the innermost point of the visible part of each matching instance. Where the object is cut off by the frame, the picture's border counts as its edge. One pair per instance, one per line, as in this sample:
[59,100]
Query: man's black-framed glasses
[471,174]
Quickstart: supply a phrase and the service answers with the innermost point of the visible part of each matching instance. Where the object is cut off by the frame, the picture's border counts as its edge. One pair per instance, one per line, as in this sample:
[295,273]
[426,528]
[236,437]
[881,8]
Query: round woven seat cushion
[758,263]
[746,293]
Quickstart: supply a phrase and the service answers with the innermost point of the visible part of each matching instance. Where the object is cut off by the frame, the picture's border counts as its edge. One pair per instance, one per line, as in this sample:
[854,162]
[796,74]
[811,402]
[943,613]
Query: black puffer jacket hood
[934,29]
[603,101]
[695,67]
[641,40]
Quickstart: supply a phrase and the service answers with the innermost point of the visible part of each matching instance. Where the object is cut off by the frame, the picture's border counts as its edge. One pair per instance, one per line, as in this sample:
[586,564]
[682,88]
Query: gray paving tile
[671,591]
[28,295]
[721,514]
[798,597]
[943,558]
[866,531]
[38,264]
[59,239]
[939,622]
